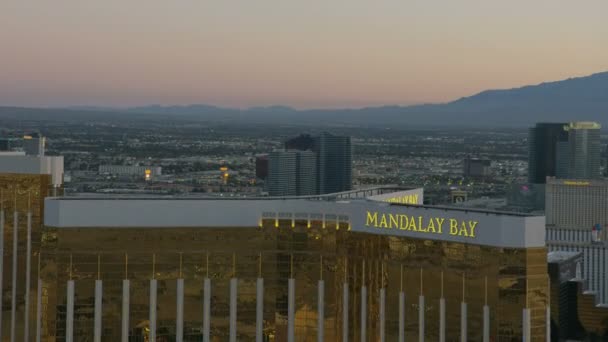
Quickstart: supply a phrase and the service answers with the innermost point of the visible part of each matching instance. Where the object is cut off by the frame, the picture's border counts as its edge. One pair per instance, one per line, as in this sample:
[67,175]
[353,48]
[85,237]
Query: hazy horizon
[315,54]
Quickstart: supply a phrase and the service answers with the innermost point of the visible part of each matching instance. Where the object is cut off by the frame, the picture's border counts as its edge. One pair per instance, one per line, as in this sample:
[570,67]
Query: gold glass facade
[20,194]
[515,278]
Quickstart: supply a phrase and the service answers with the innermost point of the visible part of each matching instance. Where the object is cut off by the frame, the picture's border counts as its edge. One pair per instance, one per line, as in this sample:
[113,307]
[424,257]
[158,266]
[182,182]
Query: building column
[421,319]
[259,310]
[463,322]
[442,313]
[69,319]
[548,319]
[526,325]
[126,284]
[401,316]
[363,305]
[486,323]
[421,311]
[363,313]
[1,262]
[259,303]
[179,314]
[442,319]
[28,270]
[233,308]
[98,310]
[401,307]
[320,311]
[206,309]
[14,280]
[345,312]
[291,311]
[548,309]
[39,305]
[153,294]
[486,315]
[382,308]
[463,313]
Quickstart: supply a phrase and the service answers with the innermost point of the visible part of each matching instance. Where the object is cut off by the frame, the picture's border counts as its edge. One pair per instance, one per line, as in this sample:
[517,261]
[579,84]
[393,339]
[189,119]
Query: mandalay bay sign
[421,224]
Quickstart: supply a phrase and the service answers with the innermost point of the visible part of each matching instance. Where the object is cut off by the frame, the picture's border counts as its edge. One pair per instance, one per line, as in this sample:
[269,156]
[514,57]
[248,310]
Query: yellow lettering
[383,223]
[453,227]
[434,225]
[372,219]
[472,226]
[463,229]
[431,227]
[420,224]
[407,199]
[412,224]
[440,224]
[394,219]
[576,183]
[403,222]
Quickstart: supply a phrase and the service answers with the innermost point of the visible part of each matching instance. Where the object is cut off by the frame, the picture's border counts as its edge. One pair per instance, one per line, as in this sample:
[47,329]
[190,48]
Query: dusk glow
[316,53]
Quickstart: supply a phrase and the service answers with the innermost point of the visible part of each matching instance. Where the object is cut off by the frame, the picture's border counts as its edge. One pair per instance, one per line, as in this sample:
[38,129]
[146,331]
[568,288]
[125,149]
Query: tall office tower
[584,151]
[577,220]
[302,142]
[34,145]
[306,173]
[291,173]
[543,156]
[5,144]
[562,160]
[335,166]
[261,166]
[476,167]
[281,180]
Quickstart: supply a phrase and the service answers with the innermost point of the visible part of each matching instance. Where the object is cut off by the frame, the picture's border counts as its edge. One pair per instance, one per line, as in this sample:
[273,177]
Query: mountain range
[573,99]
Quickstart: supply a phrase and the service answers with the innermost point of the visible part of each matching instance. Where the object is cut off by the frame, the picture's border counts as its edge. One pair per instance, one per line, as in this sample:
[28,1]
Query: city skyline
[320,170]
[116,54]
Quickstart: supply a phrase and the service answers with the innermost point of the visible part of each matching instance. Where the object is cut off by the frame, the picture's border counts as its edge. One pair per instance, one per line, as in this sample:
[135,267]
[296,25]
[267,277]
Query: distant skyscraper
[34,145]
[475,167]
[584,150]
[302,142]
[261,166]
[291,173]
[306,173]
[562,159]
[334,167]
[281,180]
[577,220]
[324,161]
[5,144]
[543,141]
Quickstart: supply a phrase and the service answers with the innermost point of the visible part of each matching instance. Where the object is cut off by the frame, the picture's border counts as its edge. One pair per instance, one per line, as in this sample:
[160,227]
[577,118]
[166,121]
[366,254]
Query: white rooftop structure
[19,162]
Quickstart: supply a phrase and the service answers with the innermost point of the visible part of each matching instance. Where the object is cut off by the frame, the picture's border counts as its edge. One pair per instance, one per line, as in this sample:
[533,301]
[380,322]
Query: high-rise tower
[281,179]
[543,159]
[584,152]
[291,173]
[335,165]
[34,145]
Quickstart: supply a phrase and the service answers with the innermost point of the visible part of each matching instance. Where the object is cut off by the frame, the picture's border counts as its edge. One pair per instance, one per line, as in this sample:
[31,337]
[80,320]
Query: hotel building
[363,265]
[577,221]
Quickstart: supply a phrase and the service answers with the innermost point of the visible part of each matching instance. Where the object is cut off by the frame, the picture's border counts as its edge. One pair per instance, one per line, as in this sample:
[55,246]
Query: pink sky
[313,53]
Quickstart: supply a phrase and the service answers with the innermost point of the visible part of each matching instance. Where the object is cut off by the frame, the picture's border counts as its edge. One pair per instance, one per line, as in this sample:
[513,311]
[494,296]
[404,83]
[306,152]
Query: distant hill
[580,99]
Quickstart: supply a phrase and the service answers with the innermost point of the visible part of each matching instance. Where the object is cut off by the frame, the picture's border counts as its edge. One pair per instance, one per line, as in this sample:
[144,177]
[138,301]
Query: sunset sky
[308,53]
